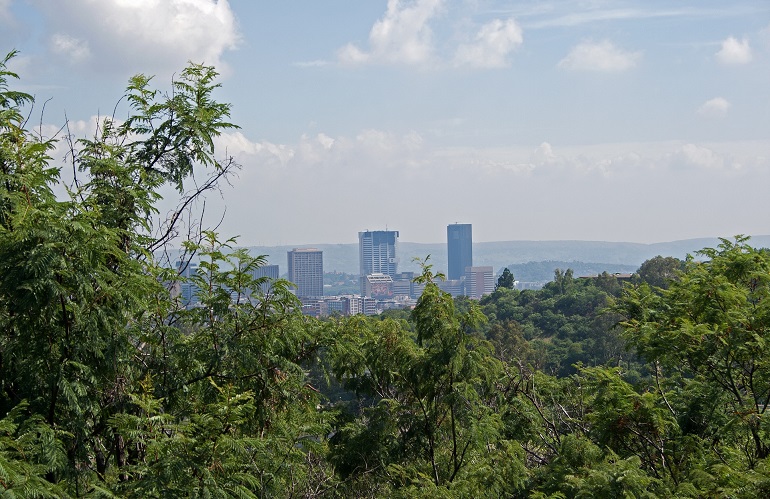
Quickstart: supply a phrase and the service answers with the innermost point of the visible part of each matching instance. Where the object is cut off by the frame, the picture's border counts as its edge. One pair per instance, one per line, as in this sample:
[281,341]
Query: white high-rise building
[377,252]
[306,271]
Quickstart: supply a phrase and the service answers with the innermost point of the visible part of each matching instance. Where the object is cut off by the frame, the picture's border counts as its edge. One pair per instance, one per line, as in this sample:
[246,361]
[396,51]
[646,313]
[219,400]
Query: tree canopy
[111,387]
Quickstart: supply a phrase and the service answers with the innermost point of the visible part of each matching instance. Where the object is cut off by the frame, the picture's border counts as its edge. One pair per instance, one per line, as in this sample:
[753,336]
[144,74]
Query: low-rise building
[479,281]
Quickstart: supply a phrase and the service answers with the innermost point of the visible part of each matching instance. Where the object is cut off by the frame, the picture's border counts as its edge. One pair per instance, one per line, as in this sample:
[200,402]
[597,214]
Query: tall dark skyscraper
[377,252]
[459,249]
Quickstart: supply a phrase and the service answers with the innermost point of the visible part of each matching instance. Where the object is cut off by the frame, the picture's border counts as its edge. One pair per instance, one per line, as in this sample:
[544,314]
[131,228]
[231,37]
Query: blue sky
[639,121]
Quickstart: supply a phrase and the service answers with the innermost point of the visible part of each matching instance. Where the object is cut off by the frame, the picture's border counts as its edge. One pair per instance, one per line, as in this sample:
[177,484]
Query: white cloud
[402,36]
[350,54]
[146,35]
[325,141]
[373,150]
[734,51]
[237,145]
[494,41]
[599,56]
[544,155]
[417,173]
[697,157]
[715,108]
[72,48]
[579,162]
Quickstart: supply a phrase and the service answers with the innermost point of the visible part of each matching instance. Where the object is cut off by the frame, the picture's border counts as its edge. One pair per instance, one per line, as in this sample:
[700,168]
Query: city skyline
[621,120]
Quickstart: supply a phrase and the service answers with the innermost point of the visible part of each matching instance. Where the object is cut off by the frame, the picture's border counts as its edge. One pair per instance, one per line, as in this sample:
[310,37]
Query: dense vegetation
[542,271]
[108,387]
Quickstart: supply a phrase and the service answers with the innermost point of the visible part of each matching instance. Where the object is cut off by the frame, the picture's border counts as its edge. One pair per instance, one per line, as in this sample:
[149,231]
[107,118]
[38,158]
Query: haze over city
[640,121]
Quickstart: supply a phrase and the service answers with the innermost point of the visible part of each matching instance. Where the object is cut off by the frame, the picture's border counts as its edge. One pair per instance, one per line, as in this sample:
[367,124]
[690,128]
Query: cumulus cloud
[715,108]
[691,156]
[325,141]
[412,169]
[599,56]
[147,35]
[374,152]
[72,48]
[494,41]
[580,162]
[370,149]
[402,36]
[734,51]
[238,145]
[544,155]
[350,54]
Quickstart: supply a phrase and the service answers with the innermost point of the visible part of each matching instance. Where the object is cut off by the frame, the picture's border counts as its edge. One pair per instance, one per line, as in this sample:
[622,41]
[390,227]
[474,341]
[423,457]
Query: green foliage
[554,328]
[429,420]
[584,470]
[176,131]
[718,316]
[109,387]
[505,280]
[660,271]
[543,271]
[121,390]
[28,451]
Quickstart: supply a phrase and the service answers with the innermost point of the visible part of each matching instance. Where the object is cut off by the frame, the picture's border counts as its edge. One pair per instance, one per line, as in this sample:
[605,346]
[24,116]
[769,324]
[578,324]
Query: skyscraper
[459,250]
[377,252]
[306,271]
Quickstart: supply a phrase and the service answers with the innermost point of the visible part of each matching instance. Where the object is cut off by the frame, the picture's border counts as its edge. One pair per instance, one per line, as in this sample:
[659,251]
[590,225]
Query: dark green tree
[506,280]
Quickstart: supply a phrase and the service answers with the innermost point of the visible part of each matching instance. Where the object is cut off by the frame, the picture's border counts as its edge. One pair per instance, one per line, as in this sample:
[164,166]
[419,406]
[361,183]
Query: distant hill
[344,257]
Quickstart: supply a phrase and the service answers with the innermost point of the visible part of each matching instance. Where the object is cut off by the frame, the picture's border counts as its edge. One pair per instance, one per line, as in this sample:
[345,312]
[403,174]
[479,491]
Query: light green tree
[123,391]
[708,336]
[430,426]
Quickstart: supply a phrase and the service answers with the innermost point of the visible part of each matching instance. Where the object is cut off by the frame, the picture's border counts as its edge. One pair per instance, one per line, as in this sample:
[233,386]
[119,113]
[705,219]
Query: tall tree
[506,280]
[123,390]
[432,392]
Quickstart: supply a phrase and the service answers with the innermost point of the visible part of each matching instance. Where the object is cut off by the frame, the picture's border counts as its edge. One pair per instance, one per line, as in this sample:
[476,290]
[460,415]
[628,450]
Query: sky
[640,120]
